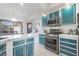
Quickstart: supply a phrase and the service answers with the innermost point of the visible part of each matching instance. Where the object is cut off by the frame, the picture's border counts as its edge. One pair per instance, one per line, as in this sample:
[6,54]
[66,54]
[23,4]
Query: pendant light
[13,16]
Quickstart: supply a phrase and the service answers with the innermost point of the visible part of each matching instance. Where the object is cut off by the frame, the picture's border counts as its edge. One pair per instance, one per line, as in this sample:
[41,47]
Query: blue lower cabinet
[3,53]
[3,49]
[29,40]
[30,49]
[42,39]
[23,47]
[68,47]
[69,40]
[16,43]
[66,53]
[19,51]
[26,50]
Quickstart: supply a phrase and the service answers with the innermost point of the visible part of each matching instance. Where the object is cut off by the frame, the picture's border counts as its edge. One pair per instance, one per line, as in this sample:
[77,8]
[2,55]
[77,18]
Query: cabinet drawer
[30,40]
[42,41]
[19,51]
[30,50]
[3,53]
[41,38]
[2,47]
[66,53]
[68,40]
[68,45]
[42,35]
[15,43]
[68,49]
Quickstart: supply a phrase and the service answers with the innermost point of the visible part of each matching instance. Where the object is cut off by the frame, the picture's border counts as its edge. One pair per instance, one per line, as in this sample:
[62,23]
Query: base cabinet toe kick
[18,47]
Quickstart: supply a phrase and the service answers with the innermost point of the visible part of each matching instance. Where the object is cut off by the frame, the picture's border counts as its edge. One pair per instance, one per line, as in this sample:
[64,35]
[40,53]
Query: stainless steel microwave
[54,22]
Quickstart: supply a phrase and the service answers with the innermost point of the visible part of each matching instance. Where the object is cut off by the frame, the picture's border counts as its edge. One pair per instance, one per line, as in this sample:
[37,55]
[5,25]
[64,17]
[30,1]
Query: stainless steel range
[52,39]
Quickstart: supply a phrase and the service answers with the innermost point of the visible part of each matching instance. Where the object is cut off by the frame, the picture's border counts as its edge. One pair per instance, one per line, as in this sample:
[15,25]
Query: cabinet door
[3,50]
[68,14]
[3,53]
[26,50]
[29,40]
[30,49]
[51,16]
[68,46]
[2,47]
[42,40]
[19,51]
[44,21]
[56,14]
[19,42]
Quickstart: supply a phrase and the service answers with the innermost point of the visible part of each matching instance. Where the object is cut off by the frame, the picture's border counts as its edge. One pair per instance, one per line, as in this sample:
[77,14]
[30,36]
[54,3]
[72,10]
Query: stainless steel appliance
[52,40]
[54,22]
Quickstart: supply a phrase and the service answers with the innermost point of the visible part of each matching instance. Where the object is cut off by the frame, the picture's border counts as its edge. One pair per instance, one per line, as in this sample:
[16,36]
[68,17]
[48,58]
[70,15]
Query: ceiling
[29,11]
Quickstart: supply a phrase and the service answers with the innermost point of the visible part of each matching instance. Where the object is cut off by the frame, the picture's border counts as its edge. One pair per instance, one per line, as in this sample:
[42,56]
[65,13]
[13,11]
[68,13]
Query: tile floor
[40,50]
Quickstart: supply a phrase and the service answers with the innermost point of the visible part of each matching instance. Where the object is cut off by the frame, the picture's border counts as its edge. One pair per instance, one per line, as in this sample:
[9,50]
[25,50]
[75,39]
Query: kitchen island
[17,45]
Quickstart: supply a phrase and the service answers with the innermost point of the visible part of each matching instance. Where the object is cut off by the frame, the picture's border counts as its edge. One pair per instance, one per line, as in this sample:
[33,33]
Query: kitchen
[39,29]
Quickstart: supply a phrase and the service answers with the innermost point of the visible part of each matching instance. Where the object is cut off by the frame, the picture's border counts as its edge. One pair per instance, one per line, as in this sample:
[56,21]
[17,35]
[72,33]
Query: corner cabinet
[23,47]
[68,15]
[42,39]
[44,21]
[3,49]
[68,47]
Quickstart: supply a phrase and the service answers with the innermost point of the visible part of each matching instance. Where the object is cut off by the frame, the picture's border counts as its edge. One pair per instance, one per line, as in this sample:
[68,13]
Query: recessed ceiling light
[21,4]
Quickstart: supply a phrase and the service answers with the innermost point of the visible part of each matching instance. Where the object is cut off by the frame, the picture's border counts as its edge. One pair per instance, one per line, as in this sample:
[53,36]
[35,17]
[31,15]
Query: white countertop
[68,36]
[12,37]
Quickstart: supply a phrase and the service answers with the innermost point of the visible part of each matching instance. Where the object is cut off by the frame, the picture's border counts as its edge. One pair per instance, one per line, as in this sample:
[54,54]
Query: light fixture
[43,14]
[68,7]
[67,3]
[13,19]
[21,4]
